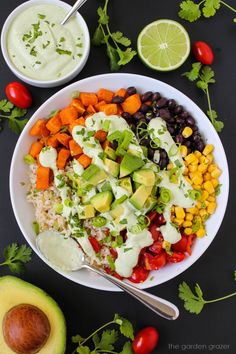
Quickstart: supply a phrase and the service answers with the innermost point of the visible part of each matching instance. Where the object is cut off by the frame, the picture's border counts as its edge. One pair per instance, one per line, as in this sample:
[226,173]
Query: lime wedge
[163,45]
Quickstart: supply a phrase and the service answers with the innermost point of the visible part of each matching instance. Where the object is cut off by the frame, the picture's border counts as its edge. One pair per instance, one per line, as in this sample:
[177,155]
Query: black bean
[145,142]
[131,90]
[171,120]
[132,127]
[178,109]
[187,143]
[179,138]
[184,115]
[179,120]
[151,153]
[200,145]
[196,138]
[144,108]
[117,99]
[146,96]
[190,121]
[161,102]
[114,144]
[195,128]
[171,129]
[163,154]
[164,113]
[163,163]
[138,115]
[156,96]
[142,120]
[171,104]
[126,115]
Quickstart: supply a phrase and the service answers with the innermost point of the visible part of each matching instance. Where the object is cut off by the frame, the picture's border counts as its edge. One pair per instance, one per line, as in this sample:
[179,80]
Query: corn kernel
[208,186]
[166,245]
[179,212]
[195,162]
[203,213]
[209,159]
[187,132]
[208,149]
[215,182]
[201,232]
[216,173]
[212,167]
[202,159]
[187,224]
[193,210]
[196,179]
[183,150]
[211,199]
[211,208]
[190,158]
[197,186]
[185,173]
[188,231]
[199,205]
[202,167]
[204,195]
[189,217]
[170,166]
[188,180]
[192,168]
[197,154]
[207,176]
[179,222]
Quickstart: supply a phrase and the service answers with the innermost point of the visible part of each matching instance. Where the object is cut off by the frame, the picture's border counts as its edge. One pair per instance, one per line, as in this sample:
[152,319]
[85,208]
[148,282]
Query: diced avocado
[134,152]
[106,187]
[117,211]
[145,176]
[94,175]
[113,167]
[140,196]
[119,201]
[86,212]
[126,184]
[136,185]
[102,201]
[110,153]
[150,203]
[129,164]
[145,150]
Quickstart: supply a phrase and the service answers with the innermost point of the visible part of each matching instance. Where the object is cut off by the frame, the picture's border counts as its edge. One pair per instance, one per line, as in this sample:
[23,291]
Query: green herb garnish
[14,113]
[16,257]
[63,52]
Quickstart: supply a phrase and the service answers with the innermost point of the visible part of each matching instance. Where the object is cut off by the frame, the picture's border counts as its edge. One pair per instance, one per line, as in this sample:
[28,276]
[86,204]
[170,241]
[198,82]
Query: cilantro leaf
[6,106]
[192,303]
[17,125]
[126,327]
[103,17]
[218,124]
[16,257]
[193,74]
[83,350]
[127,348]
[210,7]
[207,75]
[96,340]
[125,56]
[119,38]
[97,37]
[189,11]
[77,339]
[108,339]
[113,56]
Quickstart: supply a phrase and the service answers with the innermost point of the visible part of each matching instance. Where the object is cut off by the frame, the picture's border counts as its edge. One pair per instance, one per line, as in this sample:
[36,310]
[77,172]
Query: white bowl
[24,211]
[39,83]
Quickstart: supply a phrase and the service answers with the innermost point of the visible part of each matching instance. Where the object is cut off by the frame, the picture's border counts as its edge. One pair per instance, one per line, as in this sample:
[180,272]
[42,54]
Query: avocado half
[14,292]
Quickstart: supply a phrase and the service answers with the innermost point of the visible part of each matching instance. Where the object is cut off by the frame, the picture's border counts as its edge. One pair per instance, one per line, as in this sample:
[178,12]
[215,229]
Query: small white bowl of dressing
[38,49]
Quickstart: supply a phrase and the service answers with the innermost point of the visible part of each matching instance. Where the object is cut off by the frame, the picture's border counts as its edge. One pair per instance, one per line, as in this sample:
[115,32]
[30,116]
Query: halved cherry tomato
[154,262]
[95,244]
[160,219]
[139,275]
[180,246]
[176,257]
[155,233]
[19,95]
[203,53]
[152,215]
[189,244]
[113,253]
[156,247]
[145,341]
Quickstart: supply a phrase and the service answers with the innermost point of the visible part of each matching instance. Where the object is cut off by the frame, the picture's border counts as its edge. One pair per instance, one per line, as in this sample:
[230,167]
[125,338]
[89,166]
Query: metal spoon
[75,8]
[65,254]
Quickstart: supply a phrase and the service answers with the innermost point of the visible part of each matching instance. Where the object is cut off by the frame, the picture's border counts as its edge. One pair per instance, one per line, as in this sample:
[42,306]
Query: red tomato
[180,246]
[113,253]
[156,247]
[152,215]
[116,275]
[160,219]
[155,233]
[95,244]
[189,244]
[145,341]
[19,95]
[203,53]
[139,275]
[154,262]
[176,257]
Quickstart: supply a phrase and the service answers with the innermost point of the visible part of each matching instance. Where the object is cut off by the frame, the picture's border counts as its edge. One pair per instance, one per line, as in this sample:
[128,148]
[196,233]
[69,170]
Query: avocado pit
[26,329]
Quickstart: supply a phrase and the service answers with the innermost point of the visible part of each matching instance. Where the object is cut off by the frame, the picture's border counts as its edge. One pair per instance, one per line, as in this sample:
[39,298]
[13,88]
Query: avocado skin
[13,292]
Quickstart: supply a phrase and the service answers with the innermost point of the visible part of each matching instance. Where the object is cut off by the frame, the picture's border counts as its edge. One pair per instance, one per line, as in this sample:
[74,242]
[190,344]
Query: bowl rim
[44,83]
[194,257]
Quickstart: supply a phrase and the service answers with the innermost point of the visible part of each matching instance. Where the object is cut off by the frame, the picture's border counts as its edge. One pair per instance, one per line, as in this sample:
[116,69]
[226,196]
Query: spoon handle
[75,8]
[160,306]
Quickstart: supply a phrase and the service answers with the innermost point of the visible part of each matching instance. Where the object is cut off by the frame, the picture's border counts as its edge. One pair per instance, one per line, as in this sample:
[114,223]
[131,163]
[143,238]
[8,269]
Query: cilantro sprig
[15,257]
[194,301]
[191,11]
[104,342]
[119,52]
[205,76]
[13,115]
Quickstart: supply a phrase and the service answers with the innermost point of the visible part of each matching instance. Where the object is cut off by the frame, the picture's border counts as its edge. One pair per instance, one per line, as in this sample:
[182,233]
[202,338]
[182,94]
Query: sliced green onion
[155,143]
[126,138]
[194,194]
[160,208]
[106,125]
[174,150]
[174,174]
[136,229]
[58,208]
[114,136]
[165,195]
[111,263]
[69,203]
[28,159]
[35,225]
[144,220]
[99,221]
[118,241]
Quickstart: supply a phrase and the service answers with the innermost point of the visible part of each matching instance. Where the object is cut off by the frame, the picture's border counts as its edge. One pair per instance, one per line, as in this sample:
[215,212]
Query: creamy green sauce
[40,47]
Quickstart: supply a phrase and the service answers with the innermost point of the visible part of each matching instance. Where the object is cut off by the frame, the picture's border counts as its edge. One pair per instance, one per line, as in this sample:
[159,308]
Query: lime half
[163,45]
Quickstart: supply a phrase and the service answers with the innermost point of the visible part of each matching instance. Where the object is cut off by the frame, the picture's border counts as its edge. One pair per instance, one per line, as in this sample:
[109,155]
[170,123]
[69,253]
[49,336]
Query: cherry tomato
[156,247]
[176,257]
[113,253]
[139,275]
[95,244]
[155,233]
[203,53]
[154,262]
[145,341]
[152,215]
[189,244]
[19,95]
[180,246]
